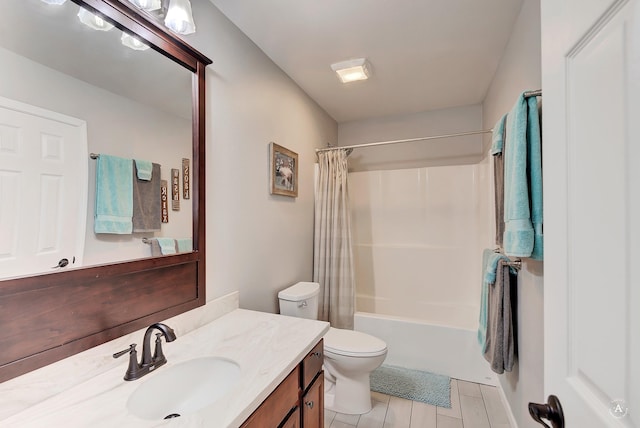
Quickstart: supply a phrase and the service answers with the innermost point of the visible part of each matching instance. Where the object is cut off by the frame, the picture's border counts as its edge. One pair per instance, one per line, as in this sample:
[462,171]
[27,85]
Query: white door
[43,189]
[591,145]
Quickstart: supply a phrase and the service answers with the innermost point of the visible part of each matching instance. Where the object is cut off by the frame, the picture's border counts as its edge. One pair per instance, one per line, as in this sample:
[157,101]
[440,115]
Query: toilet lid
[353,343]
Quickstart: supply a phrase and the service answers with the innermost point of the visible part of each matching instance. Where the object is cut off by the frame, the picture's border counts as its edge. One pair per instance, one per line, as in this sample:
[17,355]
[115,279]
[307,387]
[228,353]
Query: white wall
[520,70]
[256,243]
[115,125]
[457,150]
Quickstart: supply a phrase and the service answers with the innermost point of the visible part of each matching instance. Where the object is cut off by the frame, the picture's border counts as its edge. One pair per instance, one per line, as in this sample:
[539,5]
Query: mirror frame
[46,318]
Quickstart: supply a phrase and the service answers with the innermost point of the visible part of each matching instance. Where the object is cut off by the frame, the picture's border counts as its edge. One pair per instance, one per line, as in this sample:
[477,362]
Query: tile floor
[472,406]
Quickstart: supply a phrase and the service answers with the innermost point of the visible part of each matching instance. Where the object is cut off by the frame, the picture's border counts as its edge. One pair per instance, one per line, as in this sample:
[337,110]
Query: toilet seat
[353,343]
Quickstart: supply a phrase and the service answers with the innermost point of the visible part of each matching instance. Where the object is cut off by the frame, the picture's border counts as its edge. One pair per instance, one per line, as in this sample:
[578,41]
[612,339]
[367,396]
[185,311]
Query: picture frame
[283,168]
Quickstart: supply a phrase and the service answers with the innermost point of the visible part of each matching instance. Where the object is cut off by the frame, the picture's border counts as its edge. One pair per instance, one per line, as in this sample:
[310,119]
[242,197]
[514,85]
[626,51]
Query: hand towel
[497,140]
[484,294]
[518,239]
[114,195]
[144,169]
[185,245]
[498,177]
[167,245]
[490,261]
[147,210]
[155,248]
[534,156]
[500,350]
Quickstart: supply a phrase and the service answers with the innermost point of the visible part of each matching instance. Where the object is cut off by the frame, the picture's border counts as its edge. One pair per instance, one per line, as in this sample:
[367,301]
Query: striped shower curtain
[332,252]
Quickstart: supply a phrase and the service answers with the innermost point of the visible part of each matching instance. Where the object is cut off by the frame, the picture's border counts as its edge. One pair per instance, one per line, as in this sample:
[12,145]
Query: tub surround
[88,389]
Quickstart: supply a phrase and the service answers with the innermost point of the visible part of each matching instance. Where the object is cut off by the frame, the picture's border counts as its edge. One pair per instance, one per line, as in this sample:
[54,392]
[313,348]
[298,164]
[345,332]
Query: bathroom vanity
[280,377]
[298,401]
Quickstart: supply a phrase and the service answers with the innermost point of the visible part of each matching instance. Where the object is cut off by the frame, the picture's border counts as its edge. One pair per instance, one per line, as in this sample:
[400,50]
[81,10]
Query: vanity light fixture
[94,21]
[352,70]
[179,17]
[133,42]
[148,4]
[55,2]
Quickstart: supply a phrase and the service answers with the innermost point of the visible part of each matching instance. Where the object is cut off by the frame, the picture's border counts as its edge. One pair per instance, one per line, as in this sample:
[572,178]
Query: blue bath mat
[413,385]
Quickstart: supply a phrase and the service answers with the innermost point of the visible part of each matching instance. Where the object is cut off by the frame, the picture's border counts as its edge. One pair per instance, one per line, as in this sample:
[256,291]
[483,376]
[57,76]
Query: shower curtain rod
[527,94]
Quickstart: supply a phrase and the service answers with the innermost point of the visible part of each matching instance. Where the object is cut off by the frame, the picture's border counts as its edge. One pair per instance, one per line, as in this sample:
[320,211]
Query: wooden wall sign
[164,201]
[186,185]
[175,189]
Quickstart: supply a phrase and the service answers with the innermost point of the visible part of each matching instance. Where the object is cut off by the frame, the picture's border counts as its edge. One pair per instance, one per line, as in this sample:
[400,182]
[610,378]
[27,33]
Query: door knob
[62,263]
[552,411]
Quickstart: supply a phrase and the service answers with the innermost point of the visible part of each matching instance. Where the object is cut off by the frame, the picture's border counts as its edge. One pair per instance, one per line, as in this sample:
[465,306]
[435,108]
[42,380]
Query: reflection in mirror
[67,90]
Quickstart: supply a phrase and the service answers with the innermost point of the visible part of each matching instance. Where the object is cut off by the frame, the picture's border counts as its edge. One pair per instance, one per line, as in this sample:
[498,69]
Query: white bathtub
[443,340]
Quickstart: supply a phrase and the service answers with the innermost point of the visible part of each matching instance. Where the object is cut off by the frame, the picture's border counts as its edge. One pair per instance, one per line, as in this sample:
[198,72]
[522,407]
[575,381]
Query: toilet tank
[300,300]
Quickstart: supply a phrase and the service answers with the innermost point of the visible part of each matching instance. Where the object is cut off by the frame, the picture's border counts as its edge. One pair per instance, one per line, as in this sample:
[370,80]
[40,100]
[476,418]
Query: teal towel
[497,141]
[144,169]
[490,261]
[185,245]
[534,155]
[114,195]
[167,246]
[522,149]
[484,295]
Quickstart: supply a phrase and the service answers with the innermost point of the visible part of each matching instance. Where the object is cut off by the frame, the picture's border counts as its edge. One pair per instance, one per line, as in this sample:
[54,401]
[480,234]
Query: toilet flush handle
[302,304]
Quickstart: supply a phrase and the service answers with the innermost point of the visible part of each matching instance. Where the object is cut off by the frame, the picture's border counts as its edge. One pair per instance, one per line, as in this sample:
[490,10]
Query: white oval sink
[184,388]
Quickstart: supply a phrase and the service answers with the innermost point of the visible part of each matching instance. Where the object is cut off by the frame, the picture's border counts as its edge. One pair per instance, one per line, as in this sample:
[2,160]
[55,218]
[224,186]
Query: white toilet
[349,356]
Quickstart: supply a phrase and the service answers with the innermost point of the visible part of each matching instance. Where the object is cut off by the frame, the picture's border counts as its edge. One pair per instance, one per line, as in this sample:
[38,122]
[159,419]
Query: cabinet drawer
[312,365]
[278,405]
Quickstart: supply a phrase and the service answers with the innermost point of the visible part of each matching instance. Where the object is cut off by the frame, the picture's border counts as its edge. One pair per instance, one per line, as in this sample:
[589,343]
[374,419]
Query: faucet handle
[158,355]
[129,350]
[133,371]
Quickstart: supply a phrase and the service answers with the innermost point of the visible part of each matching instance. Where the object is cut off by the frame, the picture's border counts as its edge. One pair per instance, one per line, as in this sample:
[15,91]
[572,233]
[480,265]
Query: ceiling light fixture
[55,2]
[352,70]
[94,21]
[179,17]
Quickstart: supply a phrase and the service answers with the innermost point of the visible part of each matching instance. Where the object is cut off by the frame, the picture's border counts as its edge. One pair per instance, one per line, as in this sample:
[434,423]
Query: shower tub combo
[443,341]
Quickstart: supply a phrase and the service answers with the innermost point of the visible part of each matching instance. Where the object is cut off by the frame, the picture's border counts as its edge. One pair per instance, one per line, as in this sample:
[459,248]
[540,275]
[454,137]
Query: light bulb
[55,2]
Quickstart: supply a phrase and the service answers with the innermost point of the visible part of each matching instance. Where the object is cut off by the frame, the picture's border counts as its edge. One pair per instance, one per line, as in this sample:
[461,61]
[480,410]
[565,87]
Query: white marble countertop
[265,346]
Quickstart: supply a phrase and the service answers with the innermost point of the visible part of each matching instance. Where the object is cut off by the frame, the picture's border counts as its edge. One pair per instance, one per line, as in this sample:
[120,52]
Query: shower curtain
[333,253]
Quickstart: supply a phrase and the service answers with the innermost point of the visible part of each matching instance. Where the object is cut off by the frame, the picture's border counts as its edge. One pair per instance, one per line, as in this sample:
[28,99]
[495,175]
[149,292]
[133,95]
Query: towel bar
[516,264]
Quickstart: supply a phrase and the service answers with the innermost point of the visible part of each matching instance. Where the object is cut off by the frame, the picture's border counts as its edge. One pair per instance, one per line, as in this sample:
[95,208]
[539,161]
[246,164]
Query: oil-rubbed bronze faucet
[148,363]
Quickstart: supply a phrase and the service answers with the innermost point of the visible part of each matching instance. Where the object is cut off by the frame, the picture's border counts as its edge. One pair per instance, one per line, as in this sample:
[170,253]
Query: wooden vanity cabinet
[312,387]
[298,402]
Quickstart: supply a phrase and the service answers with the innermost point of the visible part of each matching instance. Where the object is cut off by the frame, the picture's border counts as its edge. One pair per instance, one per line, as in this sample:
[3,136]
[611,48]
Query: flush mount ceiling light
[179,17]
[352,70]
[94,21]
[56,2]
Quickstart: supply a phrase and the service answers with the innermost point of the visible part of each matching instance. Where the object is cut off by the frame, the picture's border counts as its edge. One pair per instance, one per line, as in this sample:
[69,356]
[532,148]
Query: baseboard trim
[507,406]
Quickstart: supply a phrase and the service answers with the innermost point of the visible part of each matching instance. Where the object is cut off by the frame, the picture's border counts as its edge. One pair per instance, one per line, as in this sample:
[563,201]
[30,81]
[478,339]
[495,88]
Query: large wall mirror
[72,96]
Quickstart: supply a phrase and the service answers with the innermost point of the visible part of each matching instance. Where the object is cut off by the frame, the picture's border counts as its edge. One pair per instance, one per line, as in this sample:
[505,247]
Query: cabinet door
[275,408]
[313,405]
[293,421]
